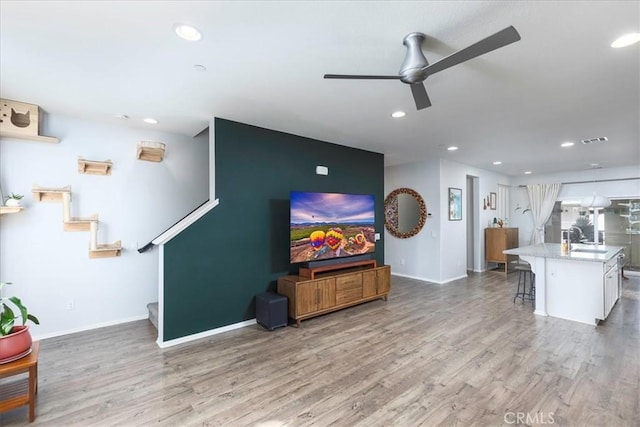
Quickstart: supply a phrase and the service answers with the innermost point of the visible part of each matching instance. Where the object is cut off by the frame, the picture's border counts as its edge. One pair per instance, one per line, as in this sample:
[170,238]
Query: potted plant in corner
[14,200]
[15,339]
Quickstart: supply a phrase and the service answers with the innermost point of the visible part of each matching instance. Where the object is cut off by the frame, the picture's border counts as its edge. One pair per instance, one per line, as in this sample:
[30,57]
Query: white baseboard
[424,279]
[408,276]
[453,279]
[89,327]
[205,334]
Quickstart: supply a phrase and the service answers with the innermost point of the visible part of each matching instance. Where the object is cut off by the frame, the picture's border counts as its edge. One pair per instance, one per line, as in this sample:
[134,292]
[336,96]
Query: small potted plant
[15,340]
[14,200]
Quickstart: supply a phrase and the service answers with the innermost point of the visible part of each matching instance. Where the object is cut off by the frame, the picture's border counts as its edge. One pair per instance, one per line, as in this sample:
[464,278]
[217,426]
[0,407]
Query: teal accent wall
[214,269]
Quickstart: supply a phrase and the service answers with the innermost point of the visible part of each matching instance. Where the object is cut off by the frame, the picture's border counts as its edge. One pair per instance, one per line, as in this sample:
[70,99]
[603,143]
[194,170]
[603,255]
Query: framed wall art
[455,204]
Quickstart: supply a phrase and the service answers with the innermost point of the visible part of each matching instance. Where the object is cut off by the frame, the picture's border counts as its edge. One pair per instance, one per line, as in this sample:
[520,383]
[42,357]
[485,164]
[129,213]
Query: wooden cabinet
[333,290]
[376,282]
[497,240]
[316,295]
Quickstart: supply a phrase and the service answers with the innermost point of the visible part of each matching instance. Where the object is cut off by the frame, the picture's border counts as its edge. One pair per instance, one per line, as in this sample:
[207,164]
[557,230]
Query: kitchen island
[582,285]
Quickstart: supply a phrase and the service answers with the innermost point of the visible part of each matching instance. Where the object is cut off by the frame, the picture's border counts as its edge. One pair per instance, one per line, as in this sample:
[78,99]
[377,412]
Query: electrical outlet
[401,261]
[70,305]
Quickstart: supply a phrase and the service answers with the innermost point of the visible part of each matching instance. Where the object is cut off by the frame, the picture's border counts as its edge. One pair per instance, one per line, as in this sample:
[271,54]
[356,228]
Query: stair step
[153,313]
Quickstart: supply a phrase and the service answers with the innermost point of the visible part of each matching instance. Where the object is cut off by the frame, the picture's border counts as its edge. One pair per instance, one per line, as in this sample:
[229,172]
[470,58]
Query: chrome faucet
[580,236]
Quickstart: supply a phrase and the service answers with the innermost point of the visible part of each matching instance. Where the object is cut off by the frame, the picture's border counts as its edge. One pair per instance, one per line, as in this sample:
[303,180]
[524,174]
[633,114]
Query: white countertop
[578,252]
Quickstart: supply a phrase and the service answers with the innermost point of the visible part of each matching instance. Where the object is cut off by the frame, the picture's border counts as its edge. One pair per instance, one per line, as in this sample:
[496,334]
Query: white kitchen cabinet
[610,289]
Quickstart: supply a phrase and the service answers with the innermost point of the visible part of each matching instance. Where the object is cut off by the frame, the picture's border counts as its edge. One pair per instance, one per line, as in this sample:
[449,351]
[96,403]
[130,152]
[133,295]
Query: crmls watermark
[537,418]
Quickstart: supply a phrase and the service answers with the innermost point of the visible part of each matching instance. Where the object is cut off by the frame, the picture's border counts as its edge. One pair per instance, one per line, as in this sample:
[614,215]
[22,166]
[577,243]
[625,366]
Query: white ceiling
[265,61]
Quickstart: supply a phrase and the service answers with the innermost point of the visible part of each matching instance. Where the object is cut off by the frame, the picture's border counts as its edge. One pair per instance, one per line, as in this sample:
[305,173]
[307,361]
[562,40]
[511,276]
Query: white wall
[420,253]
[454,233]
[438,253]
[613,189]
[51,267]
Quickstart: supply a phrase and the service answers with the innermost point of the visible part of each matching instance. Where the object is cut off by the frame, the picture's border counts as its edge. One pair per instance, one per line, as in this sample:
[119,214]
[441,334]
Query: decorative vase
[13,203]
[15,345]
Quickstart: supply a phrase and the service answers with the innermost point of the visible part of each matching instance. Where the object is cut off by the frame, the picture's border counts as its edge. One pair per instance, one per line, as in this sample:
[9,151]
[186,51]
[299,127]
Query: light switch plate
[322,170]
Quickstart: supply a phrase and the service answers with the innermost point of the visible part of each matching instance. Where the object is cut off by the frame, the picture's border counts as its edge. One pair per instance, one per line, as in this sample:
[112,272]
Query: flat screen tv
[331,225]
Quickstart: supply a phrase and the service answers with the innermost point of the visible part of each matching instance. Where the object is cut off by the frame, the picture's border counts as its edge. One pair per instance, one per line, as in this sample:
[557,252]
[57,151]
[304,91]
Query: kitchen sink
[590,250]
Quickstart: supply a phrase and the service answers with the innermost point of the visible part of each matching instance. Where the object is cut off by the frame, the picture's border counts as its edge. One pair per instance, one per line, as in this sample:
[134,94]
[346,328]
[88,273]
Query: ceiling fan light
[595,201]
[626,40]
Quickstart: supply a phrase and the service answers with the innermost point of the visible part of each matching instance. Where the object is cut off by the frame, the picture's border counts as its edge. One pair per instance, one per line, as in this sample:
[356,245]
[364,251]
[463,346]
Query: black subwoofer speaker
[271,310]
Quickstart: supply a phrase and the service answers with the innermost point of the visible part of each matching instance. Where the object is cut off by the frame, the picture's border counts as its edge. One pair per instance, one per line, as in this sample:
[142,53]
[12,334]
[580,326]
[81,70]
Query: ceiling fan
[415,68]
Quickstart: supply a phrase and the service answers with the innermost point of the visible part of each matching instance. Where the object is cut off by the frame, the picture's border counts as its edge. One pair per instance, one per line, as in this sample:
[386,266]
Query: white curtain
[542,197]
[503,202]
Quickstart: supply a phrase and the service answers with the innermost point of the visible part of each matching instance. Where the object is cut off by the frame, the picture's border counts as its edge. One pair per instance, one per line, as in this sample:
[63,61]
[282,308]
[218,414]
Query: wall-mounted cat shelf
[90,224]
[93,167]
[42,194]
[151,151]
[19,120]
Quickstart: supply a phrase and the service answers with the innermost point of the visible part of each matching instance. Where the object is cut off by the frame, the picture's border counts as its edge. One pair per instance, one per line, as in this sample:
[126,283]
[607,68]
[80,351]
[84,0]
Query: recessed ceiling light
[567,144]
[187,32]
[527,173]
[150,121]
[398,114]
[452,148]
[626,40]
[498,162]
[122,116]
[200,67]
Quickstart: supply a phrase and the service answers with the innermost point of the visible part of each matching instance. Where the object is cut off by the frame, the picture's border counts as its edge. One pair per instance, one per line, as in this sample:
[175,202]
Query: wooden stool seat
[8,397]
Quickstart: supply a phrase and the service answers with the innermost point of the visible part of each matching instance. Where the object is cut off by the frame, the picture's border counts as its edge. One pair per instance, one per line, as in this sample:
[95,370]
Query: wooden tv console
[321,290]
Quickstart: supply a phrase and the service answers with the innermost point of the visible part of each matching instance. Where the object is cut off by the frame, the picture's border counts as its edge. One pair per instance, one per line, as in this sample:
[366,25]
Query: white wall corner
[185,222]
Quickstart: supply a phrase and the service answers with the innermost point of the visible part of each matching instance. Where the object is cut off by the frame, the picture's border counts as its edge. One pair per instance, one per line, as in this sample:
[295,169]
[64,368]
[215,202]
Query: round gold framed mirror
[404,213]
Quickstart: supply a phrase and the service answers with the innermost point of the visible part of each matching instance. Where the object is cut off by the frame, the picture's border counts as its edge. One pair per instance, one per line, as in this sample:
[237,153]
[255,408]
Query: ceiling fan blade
[357,77]
[500,39]
[420,96]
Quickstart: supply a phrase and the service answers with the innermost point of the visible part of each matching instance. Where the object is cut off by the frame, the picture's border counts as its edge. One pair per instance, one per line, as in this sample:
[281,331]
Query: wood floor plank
[456,354]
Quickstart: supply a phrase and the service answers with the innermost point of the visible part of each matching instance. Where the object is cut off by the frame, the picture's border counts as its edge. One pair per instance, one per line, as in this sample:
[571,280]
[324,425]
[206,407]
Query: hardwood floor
[456,354]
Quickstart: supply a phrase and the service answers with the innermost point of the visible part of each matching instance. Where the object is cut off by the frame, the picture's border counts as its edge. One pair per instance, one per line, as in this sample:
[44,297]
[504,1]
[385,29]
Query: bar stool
[522,292]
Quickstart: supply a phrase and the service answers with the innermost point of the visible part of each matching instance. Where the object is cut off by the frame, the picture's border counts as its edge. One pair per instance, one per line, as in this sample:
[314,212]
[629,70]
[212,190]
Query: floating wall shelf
[94,167]
[42,194]
[10,209]
[35,138]
[90,224]
[80,224]
[151,151]
[106,250]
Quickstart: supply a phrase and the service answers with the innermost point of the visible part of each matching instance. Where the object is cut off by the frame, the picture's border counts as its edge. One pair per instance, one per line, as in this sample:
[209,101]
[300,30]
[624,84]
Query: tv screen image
[331,225]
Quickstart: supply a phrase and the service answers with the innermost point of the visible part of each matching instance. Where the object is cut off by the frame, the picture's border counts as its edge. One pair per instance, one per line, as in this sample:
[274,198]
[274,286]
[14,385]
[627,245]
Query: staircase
[153,313]
[90,223]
